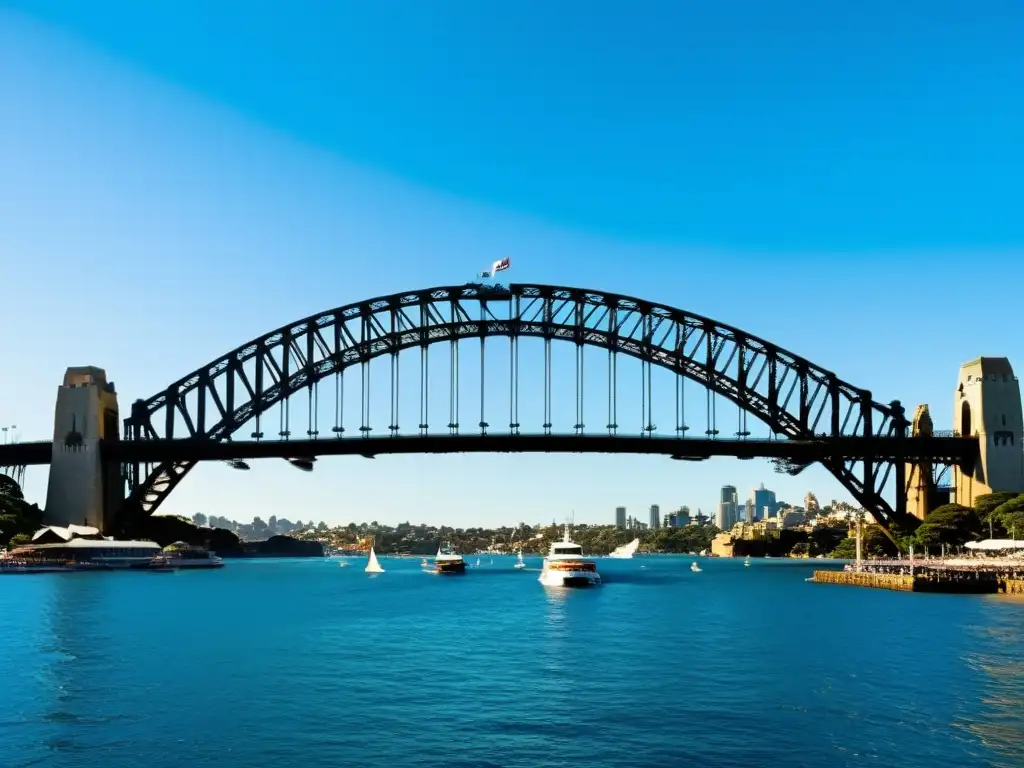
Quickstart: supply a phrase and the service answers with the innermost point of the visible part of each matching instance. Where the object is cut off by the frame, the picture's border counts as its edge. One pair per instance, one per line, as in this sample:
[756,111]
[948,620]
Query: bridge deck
[956,450]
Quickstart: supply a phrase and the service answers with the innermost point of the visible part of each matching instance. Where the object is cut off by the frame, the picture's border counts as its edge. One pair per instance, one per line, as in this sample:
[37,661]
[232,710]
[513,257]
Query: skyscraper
[620,517]
[763,502]
[655,517]
[727,517]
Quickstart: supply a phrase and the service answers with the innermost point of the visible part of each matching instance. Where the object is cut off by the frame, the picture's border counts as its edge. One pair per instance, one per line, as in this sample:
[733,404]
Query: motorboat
[448,563]
[182,555]
[565,566]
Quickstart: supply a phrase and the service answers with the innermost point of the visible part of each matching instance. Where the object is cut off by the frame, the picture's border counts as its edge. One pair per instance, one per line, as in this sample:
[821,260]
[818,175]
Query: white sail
[626,551]
[372,565]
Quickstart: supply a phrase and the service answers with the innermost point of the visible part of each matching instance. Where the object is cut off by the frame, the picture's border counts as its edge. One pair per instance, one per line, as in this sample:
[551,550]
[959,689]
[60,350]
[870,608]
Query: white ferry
[565,566]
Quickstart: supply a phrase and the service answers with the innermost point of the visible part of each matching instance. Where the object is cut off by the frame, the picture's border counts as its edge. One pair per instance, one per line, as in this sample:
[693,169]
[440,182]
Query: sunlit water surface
[304,663]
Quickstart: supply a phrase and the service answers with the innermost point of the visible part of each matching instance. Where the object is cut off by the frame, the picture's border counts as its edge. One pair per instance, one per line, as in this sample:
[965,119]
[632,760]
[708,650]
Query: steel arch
[794,397]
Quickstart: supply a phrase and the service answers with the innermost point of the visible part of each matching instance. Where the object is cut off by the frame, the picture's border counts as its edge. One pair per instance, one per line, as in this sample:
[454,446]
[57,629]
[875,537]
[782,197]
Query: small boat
[746,563]
[565,566]
[448,563]
[160,564]
[519,560]
[477,564]
[372,564]
[424,563]
[183,555]
[694,567]
[626,551]
[344,564]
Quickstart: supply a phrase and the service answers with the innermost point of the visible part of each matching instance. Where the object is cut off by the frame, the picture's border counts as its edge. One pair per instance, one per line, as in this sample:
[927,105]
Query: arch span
[795,398]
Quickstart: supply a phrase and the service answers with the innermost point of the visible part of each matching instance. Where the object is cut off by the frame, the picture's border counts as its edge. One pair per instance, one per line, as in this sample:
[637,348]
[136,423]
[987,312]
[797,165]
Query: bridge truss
[325,359]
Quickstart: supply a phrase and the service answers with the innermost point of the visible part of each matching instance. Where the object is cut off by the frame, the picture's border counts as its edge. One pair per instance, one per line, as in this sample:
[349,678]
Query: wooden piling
[1012,586]
[952,582]
[866,579]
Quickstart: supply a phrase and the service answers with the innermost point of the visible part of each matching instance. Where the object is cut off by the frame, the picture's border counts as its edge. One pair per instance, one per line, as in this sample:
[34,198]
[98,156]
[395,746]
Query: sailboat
[519,552]
[626,551]
[746,563]
[694,567]
[372,565]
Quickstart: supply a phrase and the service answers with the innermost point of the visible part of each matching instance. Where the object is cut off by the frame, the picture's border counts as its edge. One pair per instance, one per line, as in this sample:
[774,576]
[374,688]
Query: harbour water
[300,662]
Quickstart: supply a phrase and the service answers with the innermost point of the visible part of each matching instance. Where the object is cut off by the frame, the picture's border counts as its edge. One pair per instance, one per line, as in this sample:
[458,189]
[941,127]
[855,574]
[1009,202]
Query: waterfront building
[790,518]
[655,521]
[78,546]
[620,517]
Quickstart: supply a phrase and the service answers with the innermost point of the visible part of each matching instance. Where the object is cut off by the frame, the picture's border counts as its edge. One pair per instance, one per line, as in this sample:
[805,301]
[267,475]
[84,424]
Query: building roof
[68,533]
[98,543]
[991,365]
[994,545]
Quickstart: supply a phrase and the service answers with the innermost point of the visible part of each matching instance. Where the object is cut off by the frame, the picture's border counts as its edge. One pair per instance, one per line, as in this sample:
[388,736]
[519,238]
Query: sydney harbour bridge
[449,368]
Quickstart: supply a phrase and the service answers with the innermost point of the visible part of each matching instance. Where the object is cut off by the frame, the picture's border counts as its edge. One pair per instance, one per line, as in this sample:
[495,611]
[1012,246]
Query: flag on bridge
[496,267]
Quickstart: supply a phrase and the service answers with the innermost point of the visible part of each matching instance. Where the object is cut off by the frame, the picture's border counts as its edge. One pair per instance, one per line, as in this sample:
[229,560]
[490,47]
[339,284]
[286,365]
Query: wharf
[930,576]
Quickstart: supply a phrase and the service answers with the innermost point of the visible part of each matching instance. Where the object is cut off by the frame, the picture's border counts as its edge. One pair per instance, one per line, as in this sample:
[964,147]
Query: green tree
[824,540]
[17,516]
[1010,515]
[10,491]
[986,505]
[847,550]
[951,524]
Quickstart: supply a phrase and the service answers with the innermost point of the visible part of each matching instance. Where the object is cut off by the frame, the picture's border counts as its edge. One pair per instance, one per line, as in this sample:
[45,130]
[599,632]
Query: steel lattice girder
[794,397]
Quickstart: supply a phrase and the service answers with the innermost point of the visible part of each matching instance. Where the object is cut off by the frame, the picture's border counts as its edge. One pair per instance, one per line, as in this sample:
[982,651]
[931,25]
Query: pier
[941,576]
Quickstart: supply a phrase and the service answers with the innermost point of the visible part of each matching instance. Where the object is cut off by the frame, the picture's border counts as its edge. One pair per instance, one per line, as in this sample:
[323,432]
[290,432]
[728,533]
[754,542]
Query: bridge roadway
[954,450]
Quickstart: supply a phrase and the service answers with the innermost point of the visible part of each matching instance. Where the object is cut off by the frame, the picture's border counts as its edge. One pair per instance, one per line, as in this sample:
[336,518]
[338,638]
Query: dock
[947,577]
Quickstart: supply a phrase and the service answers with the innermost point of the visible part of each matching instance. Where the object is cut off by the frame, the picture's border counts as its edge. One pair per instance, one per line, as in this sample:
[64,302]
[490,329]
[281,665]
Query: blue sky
[843,179]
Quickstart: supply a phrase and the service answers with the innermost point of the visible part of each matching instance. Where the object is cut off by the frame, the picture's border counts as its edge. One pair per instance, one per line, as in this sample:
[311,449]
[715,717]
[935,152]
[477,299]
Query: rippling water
[300,662]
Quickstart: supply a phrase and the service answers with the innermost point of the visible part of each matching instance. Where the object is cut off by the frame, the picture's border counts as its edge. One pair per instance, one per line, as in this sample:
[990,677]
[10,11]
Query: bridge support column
[919,487]
[987,405]
[81,489]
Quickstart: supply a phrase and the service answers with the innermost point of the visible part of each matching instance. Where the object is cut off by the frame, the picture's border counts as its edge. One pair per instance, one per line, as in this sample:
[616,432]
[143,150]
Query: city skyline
[178,180]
